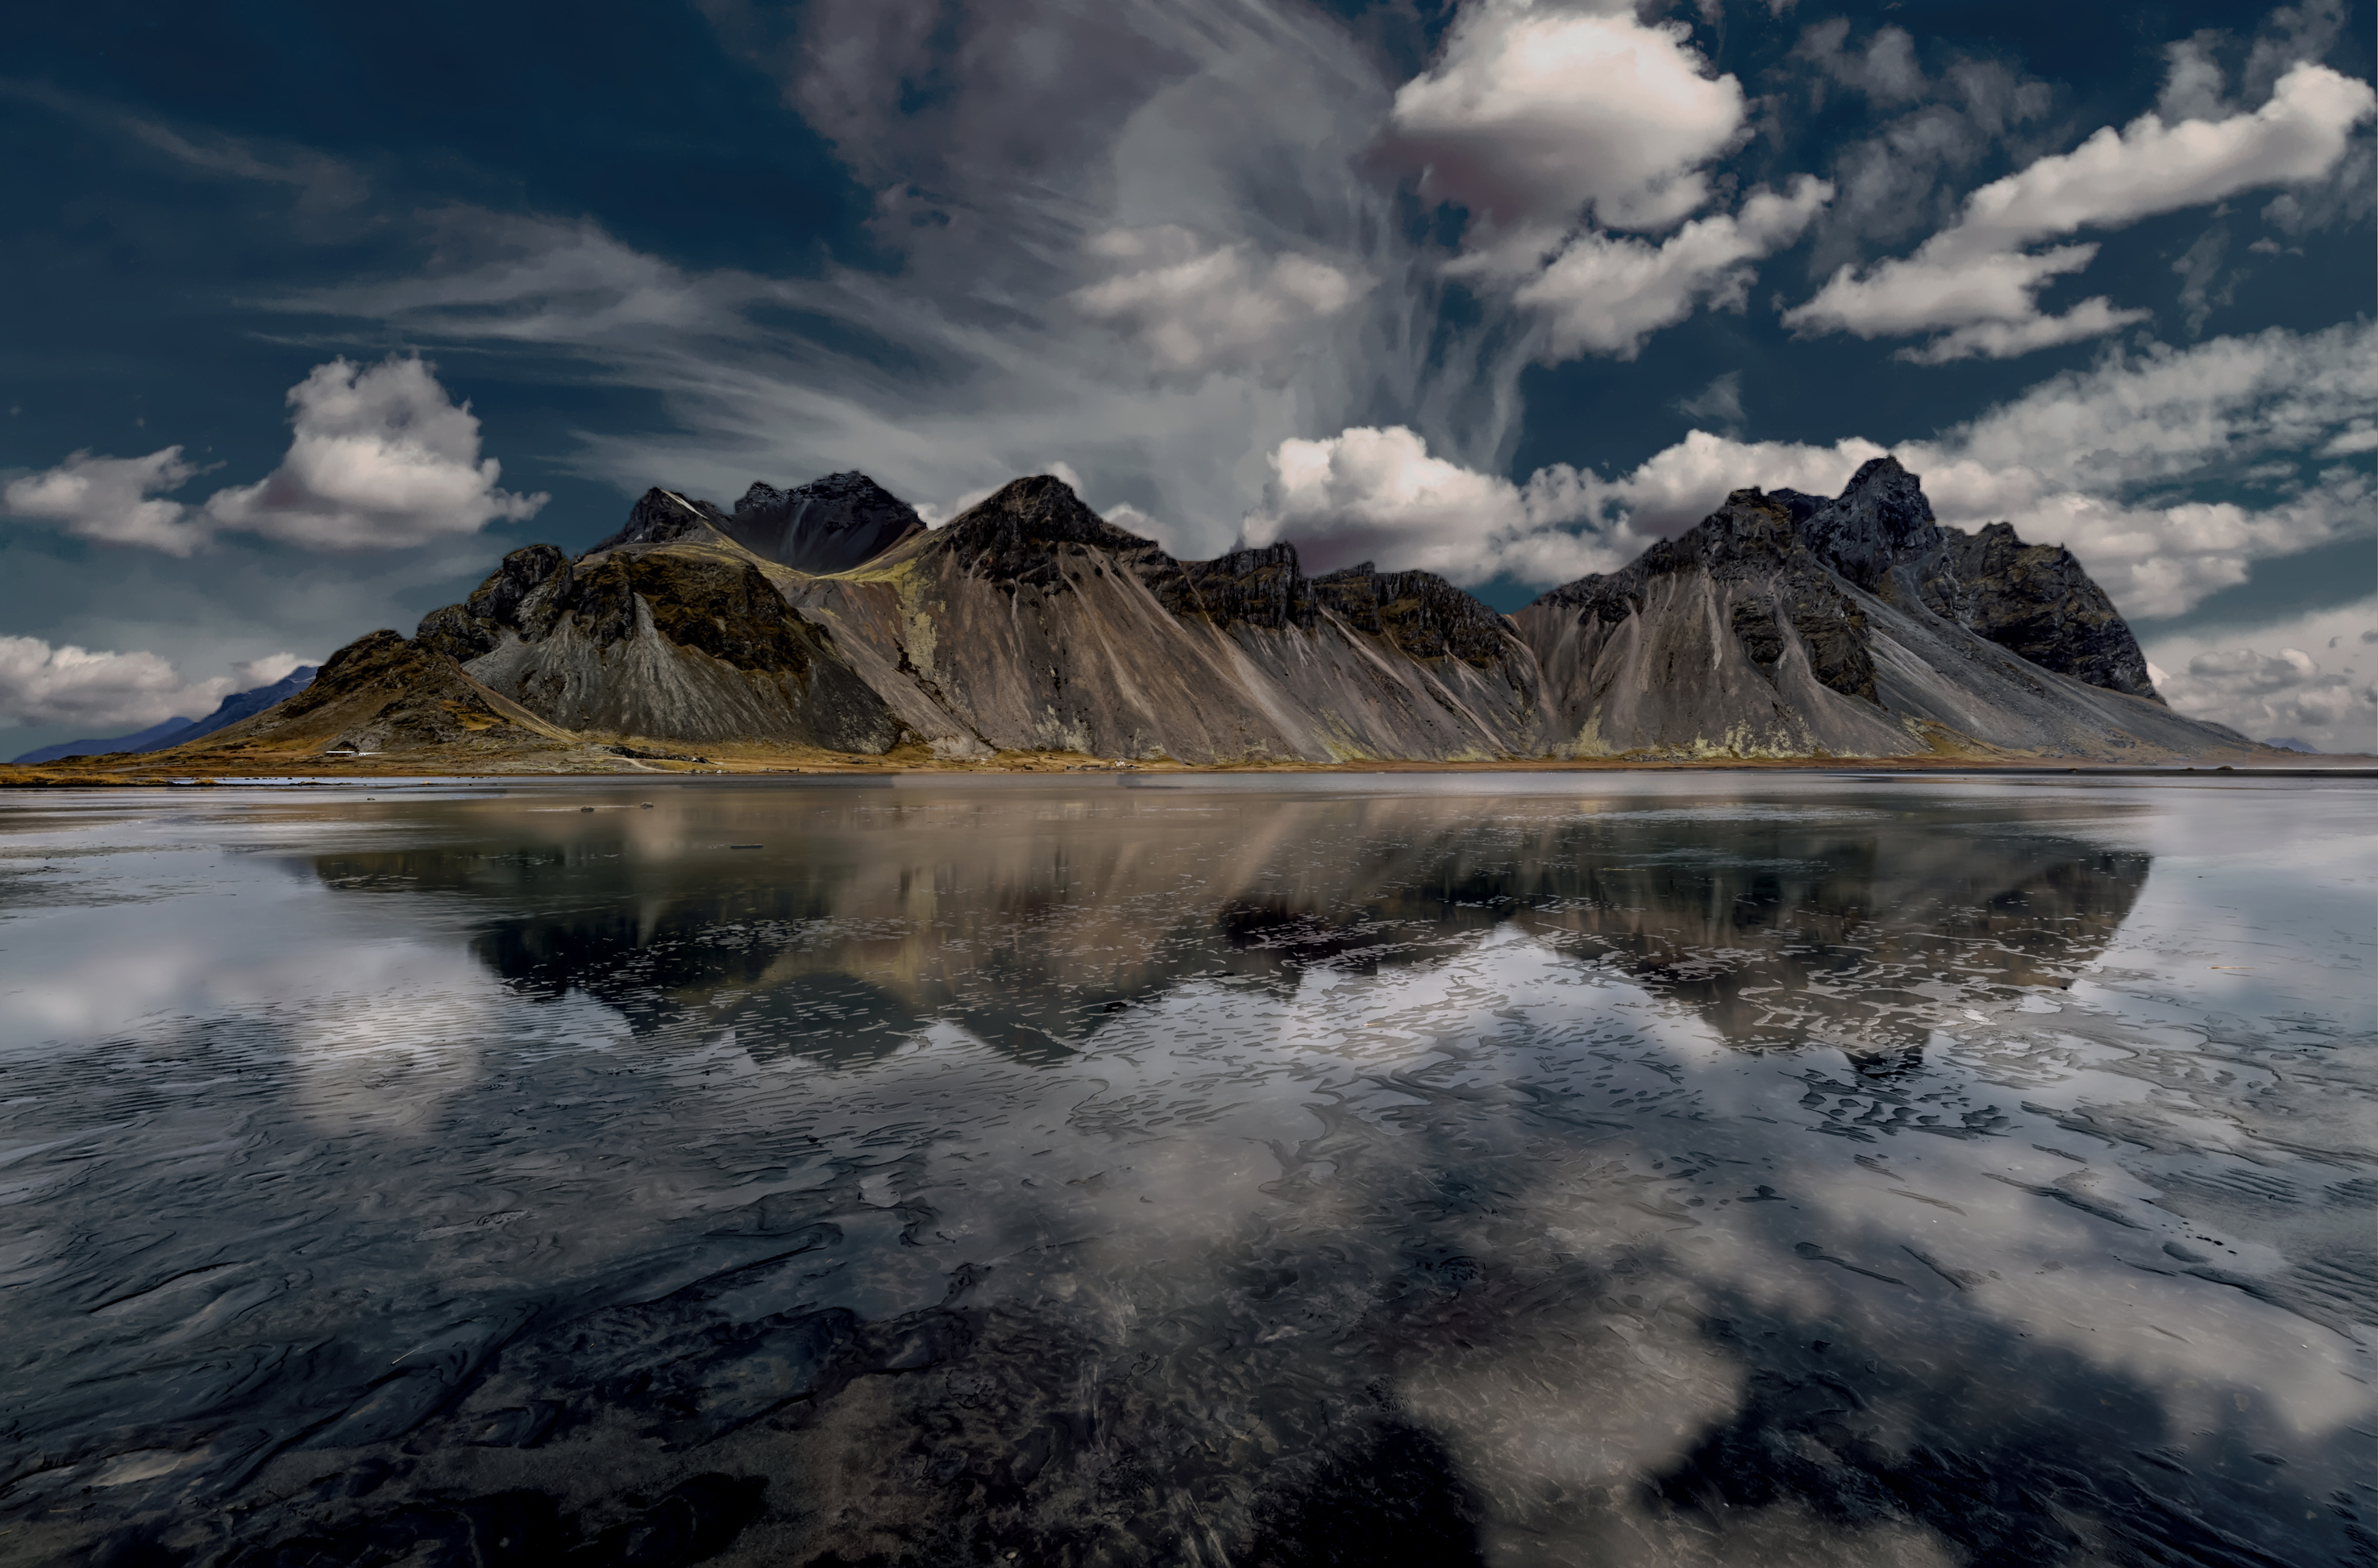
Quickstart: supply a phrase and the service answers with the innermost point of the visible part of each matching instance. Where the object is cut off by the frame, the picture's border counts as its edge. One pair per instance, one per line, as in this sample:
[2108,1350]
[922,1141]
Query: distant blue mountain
[241,704]
[2289,744]
[147,739]
[174,731]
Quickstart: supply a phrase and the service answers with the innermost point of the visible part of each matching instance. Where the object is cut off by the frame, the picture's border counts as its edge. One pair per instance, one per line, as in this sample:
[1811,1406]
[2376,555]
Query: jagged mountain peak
[1884,604]
[518,575]
[847,485]
[1751,526]
[1750,522]
[1042,506]
[1251,557]
[827,526]
[1009,533]
[2035,600]
[662,515]
[2039,601]
[1879,520]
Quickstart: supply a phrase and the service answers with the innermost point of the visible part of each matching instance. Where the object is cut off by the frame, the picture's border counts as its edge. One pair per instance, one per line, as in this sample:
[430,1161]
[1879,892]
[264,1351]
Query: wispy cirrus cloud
[1195,262]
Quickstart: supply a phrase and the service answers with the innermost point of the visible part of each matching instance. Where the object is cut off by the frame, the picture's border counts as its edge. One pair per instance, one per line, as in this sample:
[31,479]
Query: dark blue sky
[708,244]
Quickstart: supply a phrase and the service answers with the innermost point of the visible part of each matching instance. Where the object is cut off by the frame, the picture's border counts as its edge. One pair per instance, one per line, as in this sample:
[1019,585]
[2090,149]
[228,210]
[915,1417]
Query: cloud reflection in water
[1262,1171]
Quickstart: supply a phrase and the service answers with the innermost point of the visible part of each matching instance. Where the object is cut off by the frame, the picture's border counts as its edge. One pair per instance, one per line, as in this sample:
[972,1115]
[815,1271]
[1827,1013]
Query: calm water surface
[1634,1170]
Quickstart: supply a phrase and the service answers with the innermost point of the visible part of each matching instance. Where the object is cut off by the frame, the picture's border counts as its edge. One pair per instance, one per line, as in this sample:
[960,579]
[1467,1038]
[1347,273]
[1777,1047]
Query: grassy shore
[168,769]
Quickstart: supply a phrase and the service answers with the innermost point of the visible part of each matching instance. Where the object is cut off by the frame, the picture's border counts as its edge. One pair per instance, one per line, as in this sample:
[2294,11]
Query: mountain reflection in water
[1842,924]
[1529,1170]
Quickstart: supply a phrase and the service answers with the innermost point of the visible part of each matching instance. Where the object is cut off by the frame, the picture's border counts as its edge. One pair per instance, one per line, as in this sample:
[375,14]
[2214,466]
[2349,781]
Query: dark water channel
[1634,1170]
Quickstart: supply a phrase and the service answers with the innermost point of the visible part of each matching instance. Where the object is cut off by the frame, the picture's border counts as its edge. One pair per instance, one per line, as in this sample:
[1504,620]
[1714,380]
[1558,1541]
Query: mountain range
[828,619]
[182,731]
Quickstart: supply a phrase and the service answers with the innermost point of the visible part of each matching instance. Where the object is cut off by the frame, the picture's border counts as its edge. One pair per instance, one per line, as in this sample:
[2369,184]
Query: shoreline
[359,770]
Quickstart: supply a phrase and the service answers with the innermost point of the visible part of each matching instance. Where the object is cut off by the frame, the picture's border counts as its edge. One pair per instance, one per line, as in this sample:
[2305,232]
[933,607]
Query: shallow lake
[1606,1169]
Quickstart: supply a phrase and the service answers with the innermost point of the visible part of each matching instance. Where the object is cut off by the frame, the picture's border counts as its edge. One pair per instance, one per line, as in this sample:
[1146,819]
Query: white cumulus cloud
[1558,128]
[380,458]
[118,500]
[44,684]
[1537,113]
[1371,494]
[1978,280]
[1195,307]
[2102,461]
[2311,678]
[1606,294]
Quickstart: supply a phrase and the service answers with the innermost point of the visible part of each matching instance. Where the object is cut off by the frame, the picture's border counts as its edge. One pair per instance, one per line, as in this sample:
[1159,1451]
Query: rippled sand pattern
[1641,1170]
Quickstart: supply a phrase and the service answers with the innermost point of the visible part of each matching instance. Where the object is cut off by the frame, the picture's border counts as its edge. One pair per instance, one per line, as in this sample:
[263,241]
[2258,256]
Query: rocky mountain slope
[1785,625]
[384,692]
[2034,600]
[1030,622]
[670,629]
[827,618]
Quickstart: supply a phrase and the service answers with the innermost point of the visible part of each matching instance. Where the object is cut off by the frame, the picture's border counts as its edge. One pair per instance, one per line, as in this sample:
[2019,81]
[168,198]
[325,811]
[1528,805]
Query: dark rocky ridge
[1263,588]
[1881,520]
[1782,625]
[1418,612]
[475,626]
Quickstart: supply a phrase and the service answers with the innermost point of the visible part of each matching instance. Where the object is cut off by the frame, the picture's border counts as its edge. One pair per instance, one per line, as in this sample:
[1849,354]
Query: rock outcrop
[828,617]
[2036,601]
